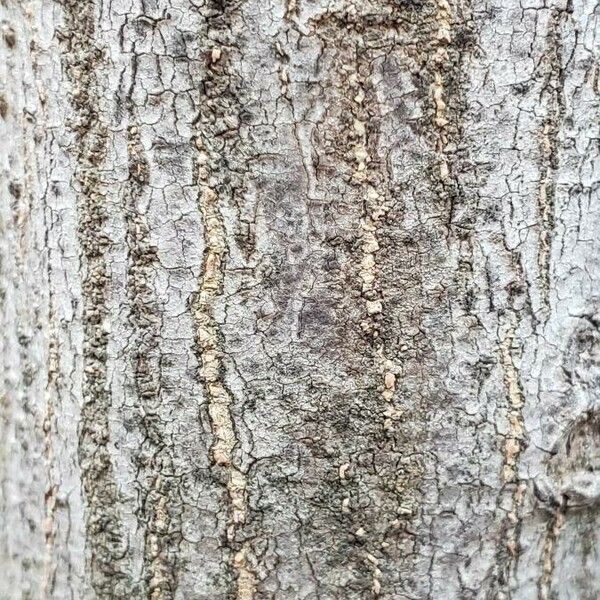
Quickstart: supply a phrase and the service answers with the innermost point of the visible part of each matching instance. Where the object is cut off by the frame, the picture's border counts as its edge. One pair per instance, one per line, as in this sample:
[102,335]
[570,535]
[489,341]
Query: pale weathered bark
[300,301]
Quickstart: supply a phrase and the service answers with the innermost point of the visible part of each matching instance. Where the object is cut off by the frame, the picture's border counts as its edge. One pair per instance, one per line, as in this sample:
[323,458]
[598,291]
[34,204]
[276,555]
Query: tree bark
[300,300]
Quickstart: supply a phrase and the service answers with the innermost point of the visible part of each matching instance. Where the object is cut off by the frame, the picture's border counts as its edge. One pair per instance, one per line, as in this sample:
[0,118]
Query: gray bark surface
[299,300]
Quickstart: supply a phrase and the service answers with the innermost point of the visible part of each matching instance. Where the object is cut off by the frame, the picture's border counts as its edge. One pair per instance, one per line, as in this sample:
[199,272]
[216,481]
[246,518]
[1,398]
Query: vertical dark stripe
[106,544]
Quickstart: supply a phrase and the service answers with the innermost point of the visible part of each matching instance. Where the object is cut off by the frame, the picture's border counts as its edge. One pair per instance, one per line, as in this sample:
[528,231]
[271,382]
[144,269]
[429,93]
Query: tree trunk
[300,301]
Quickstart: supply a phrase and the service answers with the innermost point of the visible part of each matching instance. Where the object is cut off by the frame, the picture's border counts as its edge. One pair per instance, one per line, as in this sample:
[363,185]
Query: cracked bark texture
[300,300]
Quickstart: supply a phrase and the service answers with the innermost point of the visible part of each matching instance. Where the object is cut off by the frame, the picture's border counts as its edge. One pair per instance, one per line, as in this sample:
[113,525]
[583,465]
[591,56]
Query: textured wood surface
[299,301]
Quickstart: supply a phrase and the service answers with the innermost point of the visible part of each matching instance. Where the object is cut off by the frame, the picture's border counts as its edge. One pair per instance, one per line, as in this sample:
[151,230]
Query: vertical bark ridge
[215,142]
[158,511]
[360,42]
[514,439]
[553,94]
[172,506]
[370,177]
[49,429]
[159,508]
[548,558]
[450,333]
[219,397]
[106,541]
[511,321]
[442,40]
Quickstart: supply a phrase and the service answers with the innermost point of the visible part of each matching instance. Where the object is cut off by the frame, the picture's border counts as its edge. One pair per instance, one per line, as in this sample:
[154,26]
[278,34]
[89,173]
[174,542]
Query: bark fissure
[106,542]
[216,132]
[553,93]
[219,397]
[158,483]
